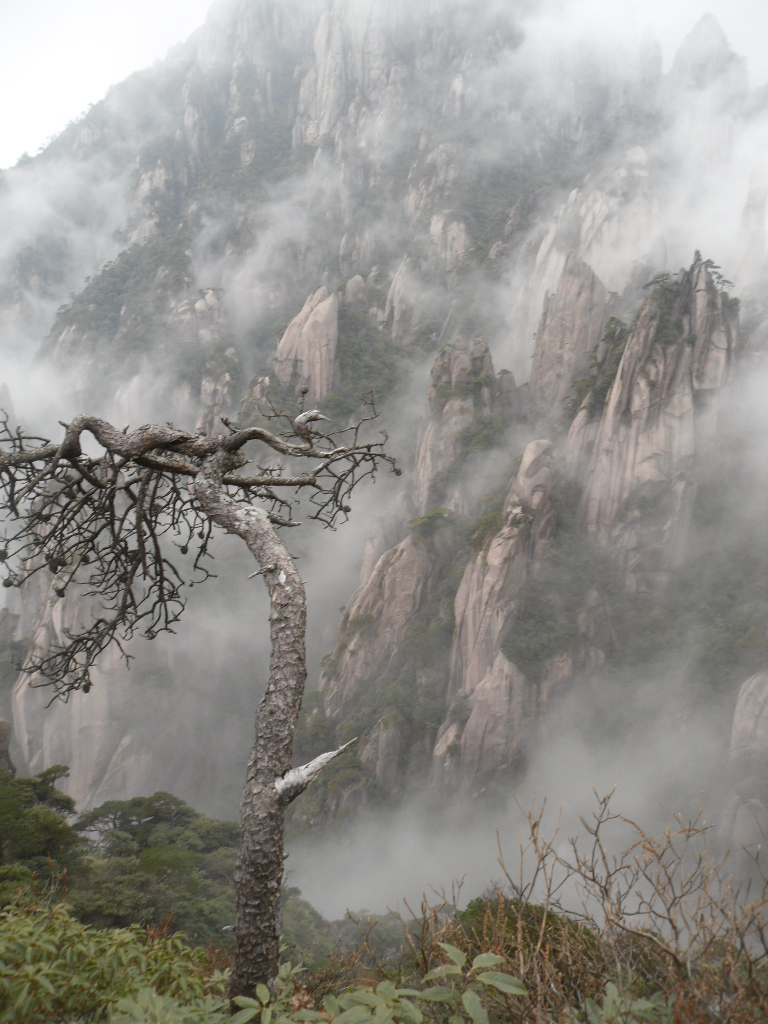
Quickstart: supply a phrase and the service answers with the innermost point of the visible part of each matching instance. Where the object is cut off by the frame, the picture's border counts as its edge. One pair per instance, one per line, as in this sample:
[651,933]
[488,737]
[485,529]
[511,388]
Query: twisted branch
[125,527]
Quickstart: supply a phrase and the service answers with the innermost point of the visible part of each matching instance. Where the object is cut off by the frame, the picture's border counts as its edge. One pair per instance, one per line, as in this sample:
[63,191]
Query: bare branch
[125,527]
[294,782]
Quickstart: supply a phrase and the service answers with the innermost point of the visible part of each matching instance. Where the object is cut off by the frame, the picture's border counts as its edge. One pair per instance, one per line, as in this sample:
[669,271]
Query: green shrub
[53,968]
[602,374]
[33,825]
[623,1008]
[368,363]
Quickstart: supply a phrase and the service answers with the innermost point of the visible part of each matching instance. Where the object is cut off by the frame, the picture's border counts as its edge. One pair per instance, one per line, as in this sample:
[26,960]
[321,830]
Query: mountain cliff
[400,199]
[587,524]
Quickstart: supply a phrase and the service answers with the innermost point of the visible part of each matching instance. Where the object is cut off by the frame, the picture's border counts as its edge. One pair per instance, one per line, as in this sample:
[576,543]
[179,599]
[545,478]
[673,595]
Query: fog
[685,188]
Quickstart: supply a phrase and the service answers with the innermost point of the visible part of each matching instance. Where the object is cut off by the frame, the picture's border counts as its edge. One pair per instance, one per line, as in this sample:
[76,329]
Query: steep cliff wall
[391,625]
[570,330]
[465,402]
[332,194]
[306,354]
[547,587]
[659,415]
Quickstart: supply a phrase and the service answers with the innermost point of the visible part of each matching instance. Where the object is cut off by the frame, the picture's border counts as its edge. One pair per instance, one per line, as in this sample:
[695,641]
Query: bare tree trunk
[259,871]
[76,497]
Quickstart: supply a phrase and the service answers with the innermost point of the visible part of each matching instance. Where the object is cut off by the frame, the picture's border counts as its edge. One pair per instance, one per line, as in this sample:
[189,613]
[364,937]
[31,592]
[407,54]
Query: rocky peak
[660,411]
[570,329]
[704,56]
[306,354]
[464,396]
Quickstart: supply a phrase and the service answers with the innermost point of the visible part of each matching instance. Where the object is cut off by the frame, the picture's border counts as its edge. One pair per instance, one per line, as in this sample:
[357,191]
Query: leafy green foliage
[155,858]
[465,989]
[601,374]
[129,291]
[52,967]
[618,1008]
[147,1007]
[33,826]
[368,362]
[426,526]
[483,434]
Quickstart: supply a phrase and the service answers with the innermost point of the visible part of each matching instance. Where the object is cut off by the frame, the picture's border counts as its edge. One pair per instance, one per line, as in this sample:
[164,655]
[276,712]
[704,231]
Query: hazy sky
[56,58]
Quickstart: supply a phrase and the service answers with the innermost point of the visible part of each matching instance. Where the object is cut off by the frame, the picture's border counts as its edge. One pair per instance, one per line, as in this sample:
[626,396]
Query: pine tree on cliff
[128,523]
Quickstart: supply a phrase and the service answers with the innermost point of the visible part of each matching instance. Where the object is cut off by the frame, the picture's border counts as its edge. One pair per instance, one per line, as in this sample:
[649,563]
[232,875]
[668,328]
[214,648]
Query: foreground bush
[53,968]
[657,932]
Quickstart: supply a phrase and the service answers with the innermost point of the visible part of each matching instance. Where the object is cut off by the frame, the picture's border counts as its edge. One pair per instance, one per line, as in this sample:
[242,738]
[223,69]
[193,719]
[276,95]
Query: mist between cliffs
[571,589]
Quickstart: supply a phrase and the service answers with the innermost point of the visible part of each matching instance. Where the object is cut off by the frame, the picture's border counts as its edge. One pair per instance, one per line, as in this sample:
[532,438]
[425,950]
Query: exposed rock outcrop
[463,395]
[570,329]
[659,413]
[483,682]
[401,577]
[306,354]
[744,823]
[219,393]
[749,733]
[374,626]
[382,754]
[613,224]
[451,239]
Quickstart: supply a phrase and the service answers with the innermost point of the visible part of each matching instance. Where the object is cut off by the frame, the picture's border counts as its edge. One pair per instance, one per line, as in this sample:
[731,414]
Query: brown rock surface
[462,391]
[659,413]
[307,350]
[374,626]
[571,327]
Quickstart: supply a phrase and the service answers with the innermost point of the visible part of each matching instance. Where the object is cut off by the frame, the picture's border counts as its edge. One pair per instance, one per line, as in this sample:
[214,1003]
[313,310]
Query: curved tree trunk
[259,871]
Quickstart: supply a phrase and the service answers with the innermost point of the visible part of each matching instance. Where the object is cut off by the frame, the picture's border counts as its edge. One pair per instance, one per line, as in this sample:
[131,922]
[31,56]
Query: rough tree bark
[259,871]
[104,522]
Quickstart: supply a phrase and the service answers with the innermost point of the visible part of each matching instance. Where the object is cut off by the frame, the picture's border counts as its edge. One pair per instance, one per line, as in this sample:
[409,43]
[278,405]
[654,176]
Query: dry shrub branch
[613,925]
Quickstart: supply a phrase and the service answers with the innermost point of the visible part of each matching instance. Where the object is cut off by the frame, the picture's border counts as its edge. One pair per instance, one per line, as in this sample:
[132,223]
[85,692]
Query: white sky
[57,58]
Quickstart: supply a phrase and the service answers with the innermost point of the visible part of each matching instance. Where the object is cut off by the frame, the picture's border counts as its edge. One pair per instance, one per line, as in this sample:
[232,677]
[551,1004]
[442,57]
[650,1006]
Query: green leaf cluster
[53,967]
[623,1008]
[34,831]
[602,372]
[154,858]
[466,992]
[368,363]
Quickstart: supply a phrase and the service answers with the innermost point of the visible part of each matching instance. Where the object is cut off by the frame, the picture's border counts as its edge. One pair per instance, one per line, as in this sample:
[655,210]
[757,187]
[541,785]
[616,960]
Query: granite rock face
[402,575]
[463,393]
[660,412]
[483,683]
[630,461]
[306,354]
[373,628]
[744,823]
[570,330]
